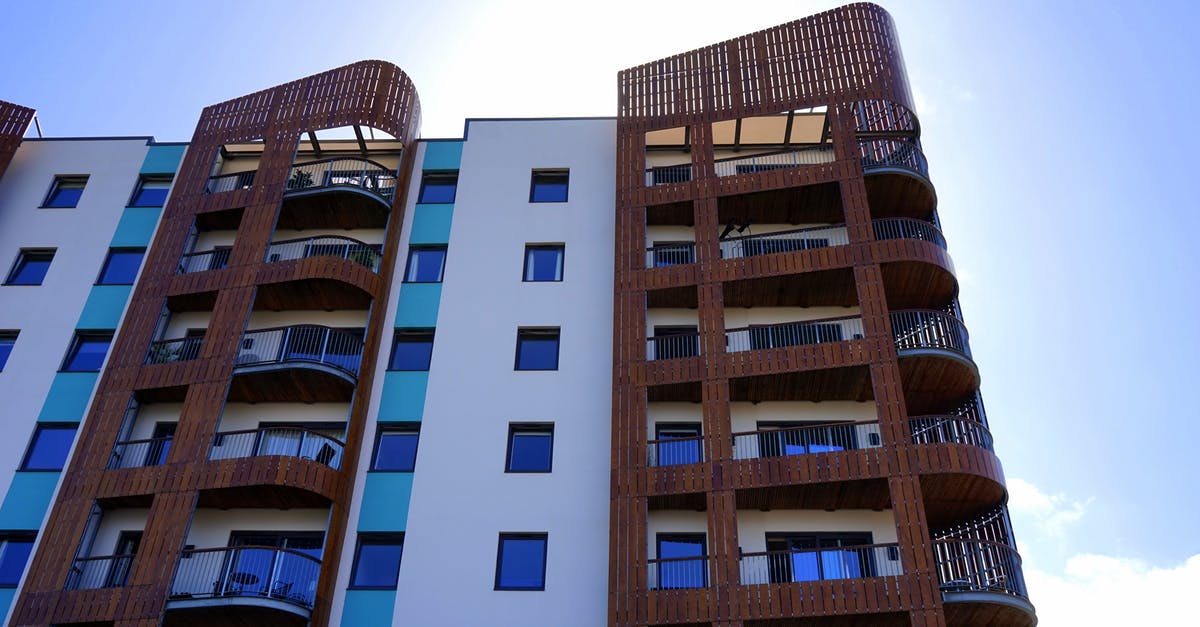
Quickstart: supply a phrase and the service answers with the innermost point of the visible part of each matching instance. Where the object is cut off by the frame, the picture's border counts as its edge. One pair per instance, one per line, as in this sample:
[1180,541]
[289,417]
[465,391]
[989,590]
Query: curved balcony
[362,253]
[230,584]
[295,442]
[305,363]
[897,178]
[337,193]
[982,579]
[936,368]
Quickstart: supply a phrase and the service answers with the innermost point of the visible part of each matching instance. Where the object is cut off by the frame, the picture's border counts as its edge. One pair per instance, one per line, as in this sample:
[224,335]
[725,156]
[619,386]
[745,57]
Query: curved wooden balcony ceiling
[290,383]
[790,205]
[934,380]
[917,284]
[979,613]
[785,601]
[314,294]
[826,288]
[231,615]
[332,208]
[900,195]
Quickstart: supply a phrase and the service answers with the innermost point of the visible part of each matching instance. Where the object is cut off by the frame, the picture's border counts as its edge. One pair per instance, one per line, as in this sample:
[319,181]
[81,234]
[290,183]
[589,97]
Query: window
[411,349]
[676,443]
[549,186]
[821,556]
[15,547]
[31,266]
[688,568]
[544,262]
[521,561]
[396,447]
[537,349]
[438,187]
[377,561]
[151,191]
[530,448]
[49,447]
[66,191]
[121,266]
[87,352]
[425,264]
[7,340]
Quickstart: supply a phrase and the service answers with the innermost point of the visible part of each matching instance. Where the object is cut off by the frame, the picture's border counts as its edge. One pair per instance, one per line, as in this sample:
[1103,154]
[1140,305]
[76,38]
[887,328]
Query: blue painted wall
[68,397]
[163,159]
[104,307]
[27,500]
[385,501]
[368,607]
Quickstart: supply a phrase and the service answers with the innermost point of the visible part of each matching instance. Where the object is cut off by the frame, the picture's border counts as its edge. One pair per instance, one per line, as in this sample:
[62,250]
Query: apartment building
[700,363]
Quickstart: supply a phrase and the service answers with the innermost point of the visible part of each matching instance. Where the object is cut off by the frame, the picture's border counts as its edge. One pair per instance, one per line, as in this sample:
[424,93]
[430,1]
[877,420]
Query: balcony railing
[326,246]
[90,573]
[249,571]
[924,329]
[908,228]
[677,573]
[893,153]
[661,175]
[166,351]
[287,441]
[674,346]
[377,179]
[229,182]
[139,453]
[204,260]
[970,565]
[675,451]
[802,440]
[793,334]
[824,564]
[304,343]
[775,160]
[949,430]
[670,255]
[784,241]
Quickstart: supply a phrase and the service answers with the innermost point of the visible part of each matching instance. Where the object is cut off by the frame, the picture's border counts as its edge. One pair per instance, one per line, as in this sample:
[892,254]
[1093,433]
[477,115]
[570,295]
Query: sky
[1058,134]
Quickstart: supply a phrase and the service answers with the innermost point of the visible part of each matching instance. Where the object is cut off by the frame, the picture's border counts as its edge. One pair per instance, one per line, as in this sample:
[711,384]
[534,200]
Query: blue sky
[1060,137]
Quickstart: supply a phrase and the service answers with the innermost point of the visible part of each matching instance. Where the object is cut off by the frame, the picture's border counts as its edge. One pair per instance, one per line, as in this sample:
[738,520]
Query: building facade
[700,363]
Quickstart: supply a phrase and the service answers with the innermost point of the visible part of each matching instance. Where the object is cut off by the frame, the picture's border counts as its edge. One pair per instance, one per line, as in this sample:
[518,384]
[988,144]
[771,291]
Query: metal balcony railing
[673,346]
[248,571]
[288,441]
[166,351]
[908,228]
[821,564]
[793,333]
[677,573]
[304,343]
[203,260]
[90,573]
[663,174]
[675,451]
[949,430]
[784,241]
[229,182]
[892,153]
[139,453]
[924,329]
[971,565]
[326,246]
[670,255]
[775,160]
[826,438]
[377,179]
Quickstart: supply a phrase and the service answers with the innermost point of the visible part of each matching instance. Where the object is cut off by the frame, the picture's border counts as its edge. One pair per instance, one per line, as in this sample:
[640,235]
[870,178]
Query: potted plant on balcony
[300,179]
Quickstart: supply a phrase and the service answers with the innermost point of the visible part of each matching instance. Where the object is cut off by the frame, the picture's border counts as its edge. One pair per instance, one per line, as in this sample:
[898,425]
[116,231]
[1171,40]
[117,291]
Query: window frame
[411,332]
[56,186]
[682,538]
[77,341]
[7,537]
[548,172]
[33,439]
[23,258]
[8,338]
[562,262]
[522,332]
[141,185]
[408,266]
[435,174]
[121,250]
[515,428]
[521,535]
[376,539]
[395,427]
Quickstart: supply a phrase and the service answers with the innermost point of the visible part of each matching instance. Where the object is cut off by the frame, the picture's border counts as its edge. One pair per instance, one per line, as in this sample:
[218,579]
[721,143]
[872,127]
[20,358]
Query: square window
[121,266]
[15,547]
[425,264]
[543,262]
[87,352]
[438,187]
[549,186]
[377,561]
[677,443]
[7,340]
[521,561]
[49,447]
[31,266]
[151,191]
[530,448]
[66,191]
[687,566]
[411,349]
[537,349]
[396,447]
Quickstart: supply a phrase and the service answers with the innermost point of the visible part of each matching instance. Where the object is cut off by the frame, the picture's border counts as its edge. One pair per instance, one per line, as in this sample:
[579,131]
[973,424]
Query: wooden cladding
[14,119]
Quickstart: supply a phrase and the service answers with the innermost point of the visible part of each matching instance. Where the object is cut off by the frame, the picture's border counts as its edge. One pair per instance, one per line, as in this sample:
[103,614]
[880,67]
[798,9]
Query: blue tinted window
[678,443]
[689,571]
[396,449]
[543,263]
[87,354]
[151,192]
[530,448]
[31,267]
[121,267]
[521,564]
[549,186]
[49,447]
[537,349]
[377,562]
[412,350]
[66,191]
[438,187]
[14,553]
[425,265]
[7,340]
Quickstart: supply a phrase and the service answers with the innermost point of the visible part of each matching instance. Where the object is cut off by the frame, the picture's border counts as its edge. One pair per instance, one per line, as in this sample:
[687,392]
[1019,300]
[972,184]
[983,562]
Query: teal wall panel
[431,224]
[104,306]
[136,226]
[368,607]
[27,500]
[163,159]
[6,599]
[68,397]
[442,155]
[418,305]
[385,501]
[403,396]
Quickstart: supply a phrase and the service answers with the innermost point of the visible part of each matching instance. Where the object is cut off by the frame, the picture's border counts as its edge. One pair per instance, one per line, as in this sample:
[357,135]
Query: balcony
[229,182]
[936,368]
[337,193]
[677,573]
[981,581]
[804,440]
[674,451]
[299,363]
[139,453]
[167,351]
[203,260]
[233,585]
[821,564]
[295,442]
[92,573]
[897,178]
[366,255]
[787,334]
[775,160]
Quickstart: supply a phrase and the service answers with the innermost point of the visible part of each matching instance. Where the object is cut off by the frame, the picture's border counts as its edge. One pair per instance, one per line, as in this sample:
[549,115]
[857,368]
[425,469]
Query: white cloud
[1106,590]
[1050,514]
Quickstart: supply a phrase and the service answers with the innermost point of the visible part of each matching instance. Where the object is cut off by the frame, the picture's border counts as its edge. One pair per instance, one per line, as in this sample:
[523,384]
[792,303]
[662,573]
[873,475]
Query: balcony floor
[233,612]
[290,382]
[332,208]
